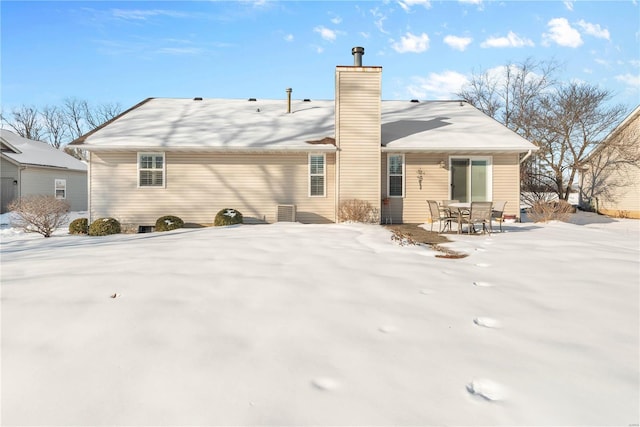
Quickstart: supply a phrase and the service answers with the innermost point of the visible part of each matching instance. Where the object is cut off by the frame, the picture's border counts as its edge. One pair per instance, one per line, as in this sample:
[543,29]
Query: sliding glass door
[470,179]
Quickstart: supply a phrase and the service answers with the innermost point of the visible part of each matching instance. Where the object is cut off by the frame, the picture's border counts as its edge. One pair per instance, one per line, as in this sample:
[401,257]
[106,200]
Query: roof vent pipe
[357,53]
[289,90]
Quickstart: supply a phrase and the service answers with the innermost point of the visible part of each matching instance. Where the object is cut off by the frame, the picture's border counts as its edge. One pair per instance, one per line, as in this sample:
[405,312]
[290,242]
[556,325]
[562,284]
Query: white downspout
[526,156]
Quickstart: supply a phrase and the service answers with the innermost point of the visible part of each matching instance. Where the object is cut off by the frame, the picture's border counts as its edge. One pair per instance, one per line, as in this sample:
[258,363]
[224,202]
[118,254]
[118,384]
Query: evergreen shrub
[168,223]
[228,216]
[79,226]
[104,227]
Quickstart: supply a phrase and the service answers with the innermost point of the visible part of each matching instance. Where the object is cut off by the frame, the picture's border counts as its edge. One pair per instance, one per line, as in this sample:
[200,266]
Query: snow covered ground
[291,324]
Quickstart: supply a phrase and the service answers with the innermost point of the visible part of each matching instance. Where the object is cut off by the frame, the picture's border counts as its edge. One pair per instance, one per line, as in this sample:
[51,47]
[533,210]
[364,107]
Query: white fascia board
[457,150]
[265,150]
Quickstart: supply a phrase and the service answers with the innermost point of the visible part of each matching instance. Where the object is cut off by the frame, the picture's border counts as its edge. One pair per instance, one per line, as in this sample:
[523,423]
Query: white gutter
[311,148]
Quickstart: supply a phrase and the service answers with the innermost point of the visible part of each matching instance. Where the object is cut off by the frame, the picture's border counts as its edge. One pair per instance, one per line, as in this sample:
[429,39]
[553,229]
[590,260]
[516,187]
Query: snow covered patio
[291,324]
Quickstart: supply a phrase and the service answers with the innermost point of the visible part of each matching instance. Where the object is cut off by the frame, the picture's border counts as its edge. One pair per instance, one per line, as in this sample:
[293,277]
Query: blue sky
[103,51]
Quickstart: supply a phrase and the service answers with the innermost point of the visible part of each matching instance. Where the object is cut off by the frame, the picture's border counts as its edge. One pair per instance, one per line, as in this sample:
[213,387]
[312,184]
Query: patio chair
[497,213]
[443,217]
[480,213]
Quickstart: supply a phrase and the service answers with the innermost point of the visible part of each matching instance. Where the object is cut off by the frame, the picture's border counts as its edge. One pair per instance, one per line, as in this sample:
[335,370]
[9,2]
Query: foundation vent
[286,213]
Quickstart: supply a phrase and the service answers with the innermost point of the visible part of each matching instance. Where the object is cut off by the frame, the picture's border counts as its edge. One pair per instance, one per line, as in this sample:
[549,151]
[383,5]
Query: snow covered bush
[39,213]
[168,223]
[79,226]
[104,227]
[543,211]
[355,210]
[228,217]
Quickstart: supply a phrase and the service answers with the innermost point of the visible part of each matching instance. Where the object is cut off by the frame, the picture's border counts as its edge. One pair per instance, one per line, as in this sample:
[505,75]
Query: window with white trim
[395,175]
[317,175]
[60,188]
[150,169]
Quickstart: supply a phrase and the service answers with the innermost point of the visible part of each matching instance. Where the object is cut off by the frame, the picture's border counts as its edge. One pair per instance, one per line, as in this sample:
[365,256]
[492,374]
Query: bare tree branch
[55,125]
[25,121]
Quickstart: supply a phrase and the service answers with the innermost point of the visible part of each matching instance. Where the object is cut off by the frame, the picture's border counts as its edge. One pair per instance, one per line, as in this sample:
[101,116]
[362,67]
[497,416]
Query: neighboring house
[273,158]
[32,167]
[610,181]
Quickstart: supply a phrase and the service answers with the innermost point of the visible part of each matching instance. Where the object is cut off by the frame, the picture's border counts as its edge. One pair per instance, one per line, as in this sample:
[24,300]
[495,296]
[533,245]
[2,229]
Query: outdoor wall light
[442,164]
[15,182]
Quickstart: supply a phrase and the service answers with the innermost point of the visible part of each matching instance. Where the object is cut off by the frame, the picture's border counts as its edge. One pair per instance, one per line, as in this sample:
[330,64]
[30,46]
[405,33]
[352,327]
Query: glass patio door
[471,179]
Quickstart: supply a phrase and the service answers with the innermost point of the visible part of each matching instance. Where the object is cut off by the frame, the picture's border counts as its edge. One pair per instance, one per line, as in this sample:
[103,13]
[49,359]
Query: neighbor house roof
[265,125]
[25,151]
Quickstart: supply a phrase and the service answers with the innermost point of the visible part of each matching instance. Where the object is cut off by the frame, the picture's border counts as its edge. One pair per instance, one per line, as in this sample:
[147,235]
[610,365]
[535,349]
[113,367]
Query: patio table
[461,208]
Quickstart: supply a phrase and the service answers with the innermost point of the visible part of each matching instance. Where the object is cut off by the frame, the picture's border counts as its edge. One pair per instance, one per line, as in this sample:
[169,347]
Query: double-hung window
[151,170]
[317,175]
[60,188]
[395,175]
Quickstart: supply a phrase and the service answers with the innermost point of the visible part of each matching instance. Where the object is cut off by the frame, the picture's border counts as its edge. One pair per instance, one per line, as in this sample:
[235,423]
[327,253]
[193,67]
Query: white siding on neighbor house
[623,199]
[198,185]
[358,115]
[36,180]
[617,192]
[436,185]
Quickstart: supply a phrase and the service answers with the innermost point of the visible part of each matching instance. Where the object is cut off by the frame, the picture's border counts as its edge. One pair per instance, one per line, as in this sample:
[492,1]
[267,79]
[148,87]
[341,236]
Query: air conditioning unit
[286,213]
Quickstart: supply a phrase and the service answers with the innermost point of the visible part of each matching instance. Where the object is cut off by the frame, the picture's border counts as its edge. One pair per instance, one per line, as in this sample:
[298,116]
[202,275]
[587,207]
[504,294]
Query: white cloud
[458,43]
[437,85]
[569,5]
[180,50]
[143,15]
[364,35]
[336,20]
[511,40]
[412,43]
[288,37]
[594,30]
[562,33]
[379,20]
[478,3]
[326,33]
[407,4]
[628,79]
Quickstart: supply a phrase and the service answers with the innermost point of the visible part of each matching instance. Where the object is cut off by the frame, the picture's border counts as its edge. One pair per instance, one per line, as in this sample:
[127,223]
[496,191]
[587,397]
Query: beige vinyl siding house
[610,180]
[193,157]
[32,168]
[197,185]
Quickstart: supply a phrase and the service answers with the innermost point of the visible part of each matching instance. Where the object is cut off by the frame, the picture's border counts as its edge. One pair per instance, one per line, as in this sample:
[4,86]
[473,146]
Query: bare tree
[40,213]
[59,125]
[564,121]
[572,120]
[510,94]
[25,121]
[55,125]
[95,116]
[75,113]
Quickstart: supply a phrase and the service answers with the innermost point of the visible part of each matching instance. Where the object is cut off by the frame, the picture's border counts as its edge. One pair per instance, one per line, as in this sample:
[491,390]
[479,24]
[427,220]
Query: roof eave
[439,150]
[312,148]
